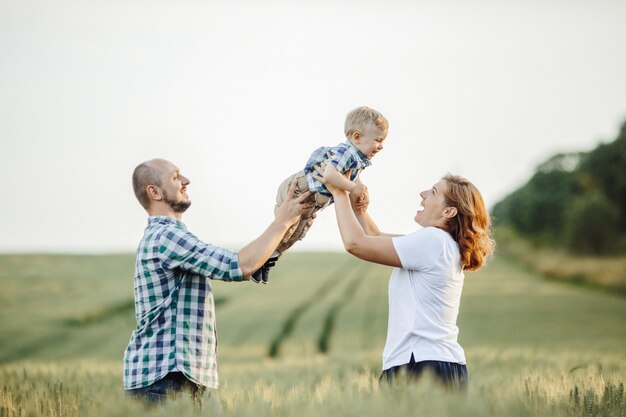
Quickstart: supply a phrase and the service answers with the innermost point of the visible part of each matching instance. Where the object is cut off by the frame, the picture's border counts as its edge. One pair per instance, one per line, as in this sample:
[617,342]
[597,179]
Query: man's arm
[180,249]
[254,254]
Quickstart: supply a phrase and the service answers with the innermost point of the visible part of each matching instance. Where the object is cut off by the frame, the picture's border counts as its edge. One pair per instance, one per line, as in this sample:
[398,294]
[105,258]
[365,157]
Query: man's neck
[161,210]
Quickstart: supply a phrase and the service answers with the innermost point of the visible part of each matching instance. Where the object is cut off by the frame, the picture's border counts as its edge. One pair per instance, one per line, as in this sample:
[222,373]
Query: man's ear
[154,192]
[450,212]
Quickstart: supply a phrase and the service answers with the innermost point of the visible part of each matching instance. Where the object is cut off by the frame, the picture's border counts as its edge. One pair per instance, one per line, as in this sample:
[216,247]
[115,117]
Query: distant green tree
[537,208]
[575,198]
[604,169]
[591,225]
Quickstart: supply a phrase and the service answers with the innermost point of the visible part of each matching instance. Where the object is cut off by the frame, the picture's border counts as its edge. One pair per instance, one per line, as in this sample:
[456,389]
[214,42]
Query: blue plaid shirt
[344,157]
[174,305]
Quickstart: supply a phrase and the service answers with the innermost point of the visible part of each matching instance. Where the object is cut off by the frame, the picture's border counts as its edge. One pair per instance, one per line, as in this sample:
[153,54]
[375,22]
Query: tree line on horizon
[573,200]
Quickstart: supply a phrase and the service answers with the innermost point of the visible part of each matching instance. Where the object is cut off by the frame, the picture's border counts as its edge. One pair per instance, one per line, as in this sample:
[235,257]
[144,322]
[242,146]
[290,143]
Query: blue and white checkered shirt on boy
[174,305]
[344,157]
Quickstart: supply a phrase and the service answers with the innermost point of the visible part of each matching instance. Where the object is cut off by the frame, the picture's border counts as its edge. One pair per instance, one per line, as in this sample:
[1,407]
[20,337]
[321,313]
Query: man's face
[175,188]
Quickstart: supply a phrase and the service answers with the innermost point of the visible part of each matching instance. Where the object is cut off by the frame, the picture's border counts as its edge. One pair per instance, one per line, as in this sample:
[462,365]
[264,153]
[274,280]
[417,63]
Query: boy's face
[369,140]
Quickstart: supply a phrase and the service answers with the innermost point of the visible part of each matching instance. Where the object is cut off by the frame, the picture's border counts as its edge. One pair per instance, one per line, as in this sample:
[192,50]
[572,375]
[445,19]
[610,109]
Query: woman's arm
[368,225]
[359,203]
[372,246]
[377,249]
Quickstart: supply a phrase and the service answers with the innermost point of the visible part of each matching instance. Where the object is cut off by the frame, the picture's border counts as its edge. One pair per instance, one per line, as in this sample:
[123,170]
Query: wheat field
[310,343]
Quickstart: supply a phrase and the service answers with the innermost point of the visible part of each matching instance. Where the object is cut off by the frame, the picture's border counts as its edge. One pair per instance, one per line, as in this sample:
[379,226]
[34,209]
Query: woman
[426,283]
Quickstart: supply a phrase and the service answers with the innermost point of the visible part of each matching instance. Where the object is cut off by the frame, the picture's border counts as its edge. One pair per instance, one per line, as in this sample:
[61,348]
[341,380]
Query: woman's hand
[360,200]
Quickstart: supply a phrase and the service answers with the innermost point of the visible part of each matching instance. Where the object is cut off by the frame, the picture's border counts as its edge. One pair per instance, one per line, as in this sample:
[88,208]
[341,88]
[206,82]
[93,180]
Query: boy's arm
[345,184]
[343,161]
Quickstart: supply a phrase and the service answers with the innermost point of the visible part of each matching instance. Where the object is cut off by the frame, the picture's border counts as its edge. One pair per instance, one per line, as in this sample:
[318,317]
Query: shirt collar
[152,220]
[366,162]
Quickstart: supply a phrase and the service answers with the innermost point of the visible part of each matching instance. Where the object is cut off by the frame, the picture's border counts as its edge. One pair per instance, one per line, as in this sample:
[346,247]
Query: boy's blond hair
[359,117]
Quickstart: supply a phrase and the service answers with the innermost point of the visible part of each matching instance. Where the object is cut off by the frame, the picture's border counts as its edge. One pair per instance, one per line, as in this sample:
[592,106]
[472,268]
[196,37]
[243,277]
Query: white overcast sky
[238,93]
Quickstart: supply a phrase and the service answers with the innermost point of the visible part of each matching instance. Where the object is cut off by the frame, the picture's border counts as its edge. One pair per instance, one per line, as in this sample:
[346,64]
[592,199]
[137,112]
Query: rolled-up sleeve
[180,249]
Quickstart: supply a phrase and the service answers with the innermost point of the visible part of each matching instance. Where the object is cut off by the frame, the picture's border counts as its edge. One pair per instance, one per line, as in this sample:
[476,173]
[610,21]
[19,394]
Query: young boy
[365,130]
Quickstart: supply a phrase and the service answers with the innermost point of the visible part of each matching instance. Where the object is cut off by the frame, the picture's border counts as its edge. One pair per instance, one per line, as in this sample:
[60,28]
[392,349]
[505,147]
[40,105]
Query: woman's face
[433,205]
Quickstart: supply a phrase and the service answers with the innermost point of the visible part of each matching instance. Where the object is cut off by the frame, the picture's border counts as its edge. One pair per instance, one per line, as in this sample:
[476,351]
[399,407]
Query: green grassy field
[556,263]
[310,343]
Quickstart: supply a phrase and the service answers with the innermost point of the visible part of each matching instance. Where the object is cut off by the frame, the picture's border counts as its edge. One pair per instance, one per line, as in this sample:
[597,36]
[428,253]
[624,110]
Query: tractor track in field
[296,313]
[78,321]
[103,314]
[323,341]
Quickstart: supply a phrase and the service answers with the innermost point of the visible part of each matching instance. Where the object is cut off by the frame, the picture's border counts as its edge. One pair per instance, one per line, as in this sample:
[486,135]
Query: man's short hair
[144,175]
[358,118]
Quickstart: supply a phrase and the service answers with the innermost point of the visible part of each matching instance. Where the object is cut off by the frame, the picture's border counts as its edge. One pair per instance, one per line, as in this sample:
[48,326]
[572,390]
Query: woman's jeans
[452,375]
[170,387]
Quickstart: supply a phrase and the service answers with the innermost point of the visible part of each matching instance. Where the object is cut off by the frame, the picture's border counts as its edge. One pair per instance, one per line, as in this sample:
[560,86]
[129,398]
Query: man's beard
[179,206]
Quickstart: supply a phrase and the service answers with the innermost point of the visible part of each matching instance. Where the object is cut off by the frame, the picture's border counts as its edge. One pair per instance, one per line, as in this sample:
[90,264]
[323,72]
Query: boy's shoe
[262,275]
[256,276]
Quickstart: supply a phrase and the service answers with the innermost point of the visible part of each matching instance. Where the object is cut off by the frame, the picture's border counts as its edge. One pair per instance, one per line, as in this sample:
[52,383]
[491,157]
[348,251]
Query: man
[174,345]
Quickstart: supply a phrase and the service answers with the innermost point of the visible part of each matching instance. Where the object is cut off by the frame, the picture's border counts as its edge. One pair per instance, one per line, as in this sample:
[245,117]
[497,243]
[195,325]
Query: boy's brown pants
[299,229]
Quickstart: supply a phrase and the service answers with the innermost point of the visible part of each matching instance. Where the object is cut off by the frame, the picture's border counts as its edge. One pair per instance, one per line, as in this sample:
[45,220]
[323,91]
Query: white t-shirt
[424,300]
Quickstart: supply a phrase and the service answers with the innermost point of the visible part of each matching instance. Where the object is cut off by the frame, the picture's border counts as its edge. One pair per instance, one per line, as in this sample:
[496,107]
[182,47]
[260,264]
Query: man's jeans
[170,387]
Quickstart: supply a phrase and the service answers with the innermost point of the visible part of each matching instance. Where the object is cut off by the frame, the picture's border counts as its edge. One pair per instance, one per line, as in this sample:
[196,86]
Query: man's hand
[292,207]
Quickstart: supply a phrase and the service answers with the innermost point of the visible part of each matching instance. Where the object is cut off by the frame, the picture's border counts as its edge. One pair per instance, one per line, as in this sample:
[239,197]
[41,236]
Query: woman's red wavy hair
[471,227]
